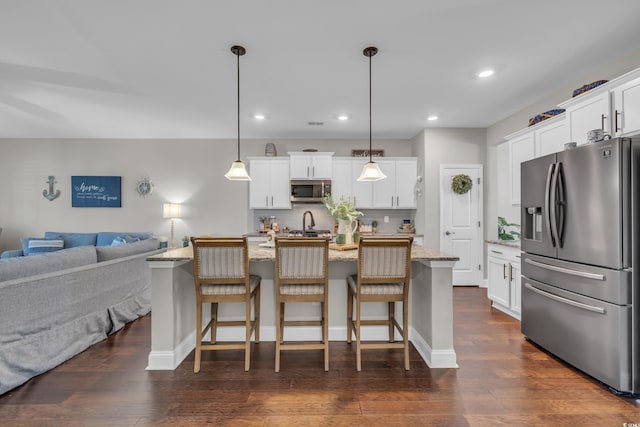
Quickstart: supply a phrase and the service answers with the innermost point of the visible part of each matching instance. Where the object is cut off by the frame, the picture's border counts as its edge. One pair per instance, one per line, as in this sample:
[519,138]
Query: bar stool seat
[384,275]
[221,275]
[302,267]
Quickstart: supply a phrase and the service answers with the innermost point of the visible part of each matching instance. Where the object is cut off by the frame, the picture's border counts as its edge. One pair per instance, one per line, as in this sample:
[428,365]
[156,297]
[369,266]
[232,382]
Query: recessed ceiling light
[485,73]
[343,117]
[259,116]
[432,118]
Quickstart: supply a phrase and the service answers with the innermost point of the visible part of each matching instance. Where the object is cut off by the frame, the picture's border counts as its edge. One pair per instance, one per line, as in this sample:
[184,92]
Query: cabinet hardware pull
[397,201]
[307,170]
[565,270]
[510,272]
[314,171]
[504,271]
[617,128]
[565,300]
[391,200]
[266,200]
[602,117]
[271,200]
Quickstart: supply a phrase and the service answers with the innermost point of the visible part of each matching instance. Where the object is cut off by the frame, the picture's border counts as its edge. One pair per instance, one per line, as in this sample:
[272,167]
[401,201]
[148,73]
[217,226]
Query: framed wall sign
[96,191]
[365,153]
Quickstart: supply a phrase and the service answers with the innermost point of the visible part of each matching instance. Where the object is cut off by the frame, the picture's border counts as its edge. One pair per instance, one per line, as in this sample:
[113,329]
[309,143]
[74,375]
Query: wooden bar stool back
[302,267]
[384,274]
[221,274]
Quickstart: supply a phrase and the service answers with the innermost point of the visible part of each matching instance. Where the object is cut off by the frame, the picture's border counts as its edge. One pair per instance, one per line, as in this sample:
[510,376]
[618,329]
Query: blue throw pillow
[42,246]
[72,240]
[119,240]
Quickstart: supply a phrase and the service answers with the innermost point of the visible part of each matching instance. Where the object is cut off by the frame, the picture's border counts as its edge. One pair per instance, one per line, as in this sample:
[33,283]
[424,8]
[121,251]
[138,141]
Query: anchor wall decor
[50,195]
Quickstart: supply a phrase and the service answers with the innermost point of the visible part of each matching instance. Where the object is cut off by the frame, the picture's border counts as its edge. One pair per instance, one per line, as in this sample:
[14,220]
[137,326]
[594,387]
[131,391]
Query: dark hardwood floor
[502,380]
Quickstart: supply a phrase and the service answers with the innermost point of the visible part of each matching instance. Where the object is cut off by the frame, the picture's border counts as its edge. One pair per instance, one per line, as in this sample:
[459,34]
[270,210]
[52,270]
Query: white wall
[442,146]
[183,171]
[497,200]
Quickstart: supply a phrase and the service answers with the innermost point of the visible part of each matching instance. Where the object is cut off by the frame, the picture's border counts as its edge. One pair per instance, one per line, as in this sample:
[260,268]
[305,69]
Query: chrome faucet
[304,222]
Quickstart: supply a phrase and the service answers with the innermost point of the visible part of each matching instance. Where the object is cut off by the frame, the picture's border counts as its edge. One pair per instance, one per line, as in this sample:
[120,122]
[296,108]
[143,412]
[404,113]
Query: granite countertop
[508,243]
[258,253]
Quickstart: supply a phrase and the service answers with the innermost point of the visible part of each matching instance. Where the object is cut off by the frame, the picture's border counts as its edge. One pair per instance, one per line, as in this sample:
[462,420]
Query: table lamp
[171,211]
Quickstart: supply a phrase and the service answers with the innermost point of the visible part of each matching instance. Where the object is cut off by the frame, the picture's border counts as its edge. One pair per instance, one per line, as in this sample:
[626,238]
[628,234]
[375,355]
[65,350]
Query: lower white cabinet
[503,275]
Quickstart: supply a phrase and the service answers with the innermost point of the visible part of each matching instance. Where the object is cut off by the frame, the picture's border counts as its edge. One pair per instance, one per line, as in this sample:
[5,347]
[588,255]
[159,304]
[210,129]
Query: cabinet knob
[448,233]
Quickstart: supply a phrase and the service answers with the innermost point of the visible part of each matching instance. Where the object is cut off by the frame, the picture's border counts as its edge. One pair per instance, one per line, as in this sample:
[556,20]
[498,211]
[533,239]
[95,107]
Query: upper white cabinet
[550,138]
[626,114]
[521,149]
[310,165]
[587,112]
[397,191]
[538,140]
[269,187]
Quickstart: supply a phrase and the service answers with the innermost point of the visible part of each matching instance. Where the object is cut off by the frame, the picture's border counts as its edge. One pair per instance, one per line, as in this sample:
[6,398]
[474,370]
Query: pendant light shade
[371,171]
[238,171]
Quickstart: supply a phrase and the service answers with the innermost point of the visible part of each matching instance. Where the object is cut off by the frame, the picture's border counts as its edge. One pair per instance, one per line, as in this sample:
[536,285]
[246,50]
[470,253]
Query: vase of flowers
[346,214]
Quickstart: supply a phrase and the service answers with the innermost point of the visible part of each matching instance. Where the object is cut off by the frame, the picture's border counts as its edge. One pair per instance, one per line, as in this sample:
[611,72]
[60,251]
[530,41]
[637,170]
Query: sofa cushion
[106,253]
[72,240]
[105,238]
[41,246]
[17,267]
[11,253]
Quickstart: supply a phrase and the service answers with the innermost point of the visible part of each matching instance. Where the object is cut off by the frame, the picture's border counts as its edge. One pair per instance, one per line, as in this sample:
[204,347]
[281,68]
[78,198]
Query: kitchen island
[173,305]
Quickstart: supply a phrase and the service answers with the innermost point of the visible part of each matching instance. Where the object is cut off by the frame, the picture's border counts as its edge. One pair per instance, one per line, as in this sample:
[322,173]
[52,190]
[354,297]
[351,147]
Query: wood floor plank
[503,380]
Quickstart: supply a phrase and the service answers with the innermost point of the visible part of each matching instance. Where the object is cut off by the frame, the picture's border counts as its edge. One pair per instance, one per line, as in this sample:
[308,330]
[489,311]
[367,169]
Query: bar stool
[302,266]
[384,274]
[221,274]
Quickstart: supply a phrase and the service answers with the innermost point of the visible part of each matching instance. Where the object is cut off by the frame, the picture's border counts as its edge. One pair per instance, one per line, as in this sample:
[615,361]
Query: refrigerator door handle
[553,204]
[547,212]
[584,274]
[561,203]
[567,301]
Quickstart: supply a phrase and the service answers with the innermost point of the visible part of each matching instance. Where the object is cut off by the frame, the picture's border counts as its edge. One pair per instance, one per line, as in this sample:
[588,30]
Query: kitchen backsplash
[292,218]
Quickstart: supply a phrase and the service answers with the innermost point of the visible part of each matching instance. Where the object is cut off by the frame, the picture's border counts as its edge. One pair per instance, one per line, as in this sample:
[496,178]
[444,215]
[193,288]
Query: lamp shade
[171,210]
[371,172]
[237,172]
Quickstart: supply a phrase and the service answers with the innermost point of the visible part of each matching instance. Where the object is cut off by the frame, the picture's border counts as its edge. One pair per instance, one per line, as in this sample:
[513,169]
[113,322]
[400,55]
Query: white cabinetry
[521,149]
[503,274]
[345,184]
[541,139]
[310,165]
[397,191]
[587,112]
[269,187]
[626,114]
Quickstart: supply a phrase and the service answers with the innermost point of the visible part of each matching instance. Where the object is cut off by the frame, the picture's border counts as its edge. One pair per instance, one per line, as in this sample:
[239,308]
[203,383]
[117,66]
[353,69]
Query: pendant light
[238,172]
[371,171]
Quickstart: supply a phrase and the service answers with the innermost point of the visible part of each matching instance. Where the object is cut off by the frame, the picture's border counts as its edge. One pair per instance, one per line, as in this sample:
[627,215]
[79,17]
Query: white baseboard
[433,358]
[170,360]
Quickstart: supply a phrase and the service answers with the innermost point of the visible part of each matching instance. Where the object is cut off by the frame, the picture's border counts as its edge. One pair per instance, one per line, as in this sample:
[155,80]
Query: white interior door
[461,223]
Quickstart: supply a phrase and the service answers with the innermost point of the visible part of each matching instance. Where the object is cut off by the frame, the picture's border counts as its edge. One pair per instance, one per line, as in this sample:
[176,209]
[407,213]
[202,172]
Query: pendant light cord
[238,58]
[370,131]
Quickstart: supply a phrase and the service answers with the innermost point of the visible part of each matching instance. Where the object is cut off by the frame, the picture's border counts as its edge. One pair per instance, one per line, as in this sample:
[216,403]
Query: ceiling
[163,69]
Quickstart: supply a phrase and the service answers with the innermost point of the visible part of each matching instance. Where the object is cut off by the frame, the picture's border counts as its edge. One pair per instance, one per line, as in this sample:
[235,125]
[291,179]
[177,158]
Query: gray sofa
[55,305]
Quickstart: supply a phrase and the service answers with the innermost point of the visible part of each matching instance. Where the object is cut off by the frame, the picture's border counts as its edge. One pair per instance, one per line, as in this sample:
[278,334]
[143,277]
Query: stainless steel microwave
[309,191]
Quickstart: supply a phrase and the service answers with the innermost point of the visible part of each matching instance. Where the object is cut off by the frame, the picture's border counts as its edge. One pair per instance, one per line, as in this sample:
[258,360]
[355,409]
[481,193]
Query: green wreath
[461,184]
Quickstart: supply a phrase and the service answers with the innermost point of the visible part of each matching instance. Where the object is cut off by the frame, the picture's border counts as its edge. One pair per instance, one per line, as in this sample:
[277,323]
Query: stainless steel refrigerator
[581,246]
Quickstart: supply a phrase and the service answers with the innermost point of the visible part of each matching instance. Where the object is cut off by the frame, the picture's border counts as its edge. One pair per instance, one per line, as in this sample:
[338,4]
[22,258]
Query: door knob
[449,233]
